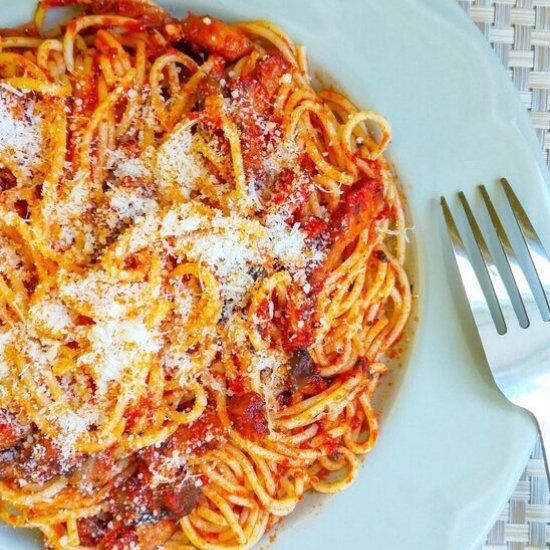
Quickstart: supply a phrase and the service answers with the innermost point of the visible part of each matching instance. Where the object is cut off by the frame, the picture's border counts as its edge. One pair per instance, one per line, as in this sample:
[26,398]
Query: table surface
[519,31]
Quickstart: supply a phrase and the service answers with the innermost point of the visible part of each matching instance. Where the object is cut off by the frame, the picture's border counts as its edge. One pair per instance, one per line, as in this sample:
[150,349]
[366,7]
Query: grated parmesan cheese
[6,338]
[20,129]
[104,298]
[72,426]
[178,162]
[9,258]
[286,78]
[177,361]
[288,242]
[50,314]
[183,300]
[124,217]
[132,168]
[114,346]
[129,204]
[166,469]
[232,246]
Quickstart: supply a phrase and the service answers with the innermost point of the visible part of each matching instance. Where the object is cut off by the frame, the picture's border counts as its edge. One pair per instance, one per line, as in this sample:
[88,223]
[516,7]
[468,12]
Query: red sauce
[252,96]
[7,179]
[41,460]
[210,93]
[84,320]
[216,37]
[237,384]
[359,207]
[247,412]
[331,446]
[58,3]
[123,537]
[356,423]
[91,530]
[361,202]
[262,312]
[11,430]
[192,438]
[141,409]
[21,206]
[313,227]
[105,48]
[251,116]
[217,66]
[94,165]
[297,326]
[268,72]
[292,192]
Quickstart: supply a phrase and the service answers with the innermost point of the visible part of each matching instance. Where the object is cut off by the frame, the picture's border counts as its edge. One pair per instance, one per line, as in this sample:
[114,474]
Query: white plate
[451,448]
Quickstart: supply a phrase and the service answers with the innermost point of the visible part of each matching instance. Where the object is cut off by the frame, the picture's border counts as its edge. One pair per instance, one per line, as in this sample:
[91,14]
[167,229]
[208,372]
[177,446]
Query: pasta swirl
[202,275]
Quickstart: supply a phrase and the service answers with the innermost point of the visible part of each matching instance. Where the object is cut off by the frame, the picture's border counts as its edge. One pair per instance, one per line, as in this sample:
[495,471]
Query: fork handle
[544,430]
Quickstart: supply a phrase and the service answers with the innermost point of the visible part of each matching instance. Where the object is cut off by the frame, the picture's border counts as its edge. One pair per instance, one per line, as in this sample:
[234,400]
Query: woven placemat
[519,31]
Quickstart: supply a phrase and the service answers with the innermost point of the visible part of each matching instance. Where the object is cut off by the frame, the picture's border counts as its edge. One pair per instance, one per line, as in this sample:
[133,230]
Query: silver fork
[519,357]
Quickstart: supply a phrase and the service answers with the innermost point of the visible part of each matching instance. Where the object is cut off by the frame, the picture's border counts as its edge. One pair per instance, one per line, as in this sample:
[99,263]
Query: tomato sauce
[268,71]
[360,205]
[216,37]
[248,414]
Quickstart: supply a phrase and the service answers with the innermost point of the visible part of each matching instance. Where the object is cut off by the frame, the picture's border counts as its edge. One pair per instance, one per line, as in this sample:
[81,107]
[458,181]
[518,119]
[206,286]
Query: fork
[518,353]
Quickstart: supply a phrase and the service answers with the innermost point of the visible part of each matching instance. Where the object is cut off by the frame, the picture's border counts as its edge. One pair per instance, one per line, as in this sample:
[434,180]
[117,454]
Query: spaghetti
[201,273]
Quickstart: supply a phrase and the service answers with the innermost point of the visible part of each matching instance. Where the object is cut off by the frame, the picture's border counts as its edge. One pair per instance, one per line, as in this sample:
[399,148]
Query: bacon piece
[251,95]
[96,470]
[21,206]
[252,104]
[11,430]
[148,13]
[200,436]
[92,530]
[216,37]
[361,204]
[147,536]
[134,502]
[7,179]
[146,512]
[138,501]
[302,368]
[179,500]
[248,414]
[121,538]
[58,3]
[268,72]
[41,461]
[304,375]
[151,536]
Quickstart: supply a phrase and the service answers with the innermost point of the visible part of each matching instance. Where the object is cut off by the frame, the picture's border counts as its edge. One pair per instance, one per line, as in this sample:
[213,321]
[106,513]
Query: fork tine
[503,298]
[474,292]
[528,303]
[537,252]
